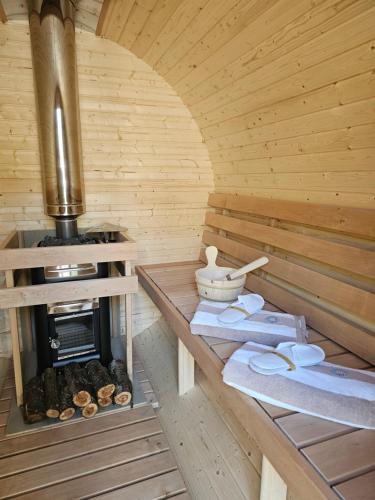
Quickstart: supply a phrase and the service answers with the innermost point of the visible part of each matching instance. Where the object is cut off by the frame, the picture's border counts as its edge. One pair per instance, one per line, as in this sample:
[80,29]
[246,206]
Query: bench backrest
[321,261]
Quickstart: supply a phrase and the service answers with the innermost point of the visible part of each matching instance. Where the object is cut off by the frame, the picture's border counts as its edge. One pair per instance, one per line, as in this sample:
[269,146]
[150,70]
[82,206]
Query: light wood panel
[209,458]
[338,453]
[249,413]
[355,260]
[87,12]
[3,16]
[282,91]
[340,219]
[145,165]
[117,449]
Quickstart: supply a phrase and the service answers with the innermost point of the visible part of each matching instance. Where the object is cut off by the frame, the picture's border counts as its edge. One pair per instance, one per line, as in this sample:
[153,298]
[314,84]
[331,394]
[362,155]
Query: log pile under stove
[60,392]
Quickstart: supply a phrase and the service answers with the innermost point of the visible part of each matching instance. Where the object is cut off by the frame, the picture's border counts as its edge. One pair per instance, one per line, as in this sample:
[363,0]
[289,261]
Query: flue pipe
[57,102]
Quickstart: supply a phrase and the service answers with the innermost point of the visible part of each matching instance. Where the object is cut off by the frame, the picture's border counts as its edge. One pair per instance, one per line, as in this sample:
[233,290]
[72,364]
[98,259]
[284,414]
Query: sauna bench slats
[317,440]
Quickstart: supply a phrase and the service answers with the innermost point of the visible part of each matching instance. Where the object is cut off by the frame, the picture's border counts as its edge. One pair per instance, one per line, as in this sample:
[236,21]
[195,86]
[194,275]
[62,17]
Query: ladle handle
[211,254]
[246,269]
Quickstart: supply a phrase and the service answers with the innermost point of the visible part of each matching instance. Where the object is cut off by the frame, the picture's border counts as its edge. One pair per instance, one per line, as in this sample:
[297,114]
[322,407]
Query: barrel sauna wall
[283,91]
[145,164]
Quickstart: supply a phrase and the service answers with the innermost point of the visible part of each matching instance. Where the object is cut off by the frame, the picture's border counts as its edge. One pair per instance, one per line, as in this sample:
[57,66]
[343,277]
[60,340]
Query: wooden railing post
[129,325]
[9,280]
[272,486]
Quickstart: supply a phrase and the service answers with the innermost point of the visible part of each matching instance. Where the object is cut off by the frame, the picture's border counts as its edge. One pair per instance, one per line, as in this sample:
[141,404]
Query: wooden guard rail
[14,257]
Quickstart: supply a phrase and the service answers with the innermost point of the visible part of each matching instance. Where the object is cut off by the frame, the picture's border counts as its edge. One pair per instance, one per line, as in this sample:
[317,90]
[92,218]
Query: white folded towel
[333,392]
[265,327]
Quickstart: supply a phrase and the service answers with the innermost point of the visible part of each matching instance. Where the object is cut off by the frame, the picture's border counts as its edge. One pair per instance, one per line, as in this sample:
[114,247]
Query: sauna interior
[149,149]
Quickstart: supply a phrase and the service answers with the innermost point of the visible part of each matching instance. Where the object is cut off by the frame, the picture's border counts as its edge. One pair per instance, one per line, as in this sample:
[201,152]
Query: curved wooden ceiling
[283,91]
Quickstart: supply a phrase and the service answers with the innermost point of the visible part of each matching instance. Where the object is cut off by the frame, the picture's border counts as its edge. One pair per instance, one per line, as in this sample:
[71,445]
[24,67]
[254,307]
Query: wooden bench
[321,265]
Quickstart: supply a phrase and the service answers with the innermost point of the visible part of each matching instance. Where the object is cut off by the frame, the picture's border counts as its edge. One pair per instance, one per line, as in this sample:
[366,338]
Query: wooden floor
[209,458]
[123,454]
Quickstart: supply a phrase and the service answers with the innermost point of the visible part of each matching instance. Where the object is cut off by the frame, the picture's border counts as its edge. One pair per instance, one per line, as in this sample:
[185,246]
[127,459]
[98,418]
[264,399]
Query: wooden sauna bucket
[216,287]
[212,283]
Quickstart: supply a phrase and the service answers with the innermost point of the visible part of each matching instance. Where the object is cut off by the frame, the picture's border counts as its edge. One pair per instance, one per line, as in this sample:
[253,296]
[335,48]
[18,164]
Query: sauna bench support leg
[272,487]
[185,369]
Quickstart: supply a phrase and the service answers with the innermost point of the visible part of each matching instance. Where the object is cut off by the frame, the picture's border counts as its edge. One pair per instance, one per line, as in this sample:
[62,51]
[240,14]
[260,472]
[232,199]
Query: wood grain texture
[111,453]
[145,165]
[3,16]
[347,297]
[269,83]
[87,12]
[343,457]
[254,419]
[338,452]
[42,294]
[362,487]
[341,219]
[16,258]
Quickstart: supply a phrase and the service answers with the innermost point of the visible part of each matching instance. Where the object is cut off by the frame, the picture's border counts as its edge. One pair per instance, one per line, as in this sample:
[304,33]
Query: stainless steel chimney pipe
[56,88]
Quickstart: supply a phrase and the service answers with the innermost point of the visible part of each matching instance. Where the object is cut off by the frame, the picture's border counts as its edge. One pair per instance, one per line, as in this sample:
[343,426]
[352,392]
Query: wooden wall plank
[287,35]
[143,154]
[349,258]
[275,80]
[342,219]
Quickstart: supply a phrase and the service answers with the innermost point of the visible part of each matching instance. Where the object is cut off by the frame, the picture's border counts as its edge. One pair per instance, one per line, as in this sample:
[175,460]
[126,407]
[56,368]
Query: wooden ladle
[246,269]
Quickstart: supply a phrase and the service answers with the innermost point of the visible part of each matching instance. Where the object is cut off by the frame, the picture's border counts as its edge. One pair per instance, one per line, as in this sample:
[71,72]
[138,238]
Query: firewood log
[90,410]
[66,406]
[51,393]
[100,379]
[78,384]
[123,390]
[34,407]
[103,402]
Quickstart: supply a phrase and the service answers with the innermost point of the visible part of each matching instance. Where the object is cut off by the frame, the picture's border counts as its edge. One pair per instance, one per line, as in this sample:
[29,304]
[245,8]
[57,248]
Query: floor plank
[109,479]
[81,446]
[81,466]
[211,461]
[125,451]
[73,430]
[165,486]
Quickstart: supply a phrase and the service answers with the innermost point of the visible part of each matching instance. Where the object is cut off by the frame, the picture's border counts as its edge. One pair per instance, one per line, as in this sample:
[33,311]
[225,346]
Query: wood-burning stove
[77,330]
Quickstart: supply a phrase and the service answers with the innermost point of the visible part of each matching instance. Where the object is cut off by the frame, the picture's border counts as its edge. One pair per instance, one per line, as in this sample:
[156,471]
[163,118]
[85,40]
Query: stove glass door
[75,335]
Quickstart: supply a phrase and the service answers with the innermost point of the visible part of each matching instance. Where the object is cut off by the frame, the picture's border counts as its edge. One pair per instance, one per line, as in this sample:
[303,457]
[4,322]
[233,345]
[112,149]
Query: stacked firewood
[58,393]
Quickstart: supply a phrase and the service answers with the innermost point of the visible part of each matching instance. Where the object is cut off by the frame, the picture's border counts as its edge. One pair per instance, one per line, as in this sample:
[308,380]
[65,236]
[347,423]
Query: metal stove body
[77,330]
